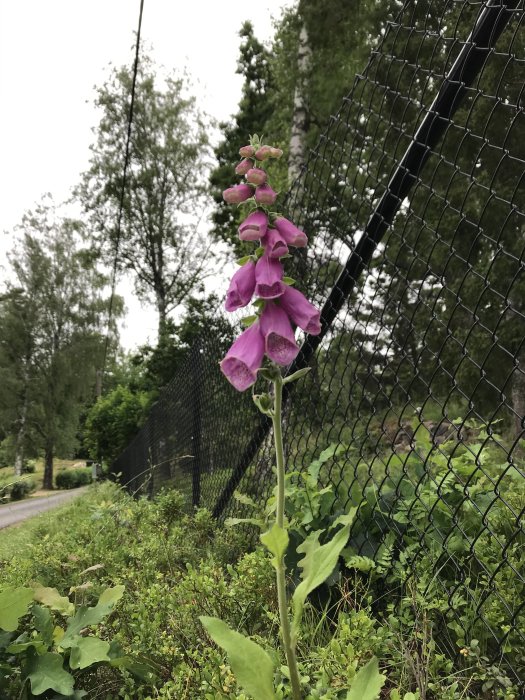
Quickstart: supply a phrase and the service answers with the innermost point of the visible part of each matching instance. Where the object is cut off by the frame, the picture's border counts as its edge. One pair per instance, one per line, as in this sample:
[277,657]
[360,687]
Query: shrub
[22,489]
[72,478]
[29,467]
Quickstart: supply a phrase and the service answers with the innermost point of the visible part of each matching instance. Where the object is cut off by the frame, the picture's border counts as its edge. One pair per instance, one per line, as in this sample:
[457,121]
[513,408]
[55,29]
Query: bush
[22,489]
[72,478]
[29,467]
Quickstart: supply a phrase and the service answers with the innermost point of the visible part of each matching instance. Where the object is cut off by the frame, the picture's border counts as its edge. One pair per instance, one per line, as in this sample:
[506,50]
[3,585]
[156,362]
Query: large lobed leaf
[46,672]
[14,604]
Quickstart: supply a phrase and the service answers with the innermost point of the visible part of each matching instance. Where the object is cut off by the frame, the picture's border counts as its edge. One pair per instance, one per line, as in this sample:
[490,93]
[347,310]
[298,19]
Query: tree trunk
[161,312]
[48,466]
[19,446]
[300,112]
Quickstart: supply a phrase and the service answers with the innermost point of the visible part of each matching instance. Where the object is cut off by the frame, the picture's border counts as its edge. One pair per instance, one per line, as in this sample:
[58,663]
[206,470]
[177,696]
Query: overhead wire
[127,155]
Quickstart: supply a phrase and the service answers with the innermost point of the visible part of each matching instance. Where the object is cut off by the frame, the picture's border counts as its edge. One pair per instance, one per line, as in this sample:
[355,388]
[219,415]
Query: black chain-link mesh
[414,204]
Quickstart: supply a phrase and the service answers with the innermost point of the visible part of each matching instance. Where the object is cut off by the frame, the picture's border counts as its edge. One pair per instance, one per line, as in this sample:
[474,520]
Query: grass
[16,540]
[7,474]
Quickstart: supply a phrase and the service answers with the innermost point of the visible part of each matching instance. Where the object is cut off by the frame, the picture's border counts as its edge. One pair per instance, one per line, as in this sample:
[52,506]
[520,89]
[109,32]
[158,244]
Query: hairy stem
[281,577]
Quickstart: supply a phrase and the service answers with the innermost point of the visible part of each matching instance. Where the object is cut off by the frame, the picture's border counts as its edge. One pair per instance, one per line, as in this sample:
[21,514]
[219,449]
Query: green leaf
[5,639]
[231,522]
[259,252]
[51,598]
[45,672]
[269,373]
[21,647]
[87,651]
[14,604]
[44,623]
[296,375]
[252,666]
[368,682]
[248,321]
[264,403]
[244,260]
[289,281]
[245,500]
[87,617]
[276,542]
[317,565]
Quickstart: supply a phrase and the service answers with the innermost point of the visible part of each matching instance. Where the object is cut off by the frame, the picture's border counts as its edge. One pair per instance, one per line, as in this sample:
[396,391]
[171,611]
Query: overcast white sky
[53,52]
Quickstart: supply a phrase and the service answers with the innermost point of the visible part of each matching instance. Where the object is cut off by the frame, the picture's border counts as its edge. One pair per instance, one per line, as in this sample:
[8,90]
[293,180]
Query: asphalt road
[12,513]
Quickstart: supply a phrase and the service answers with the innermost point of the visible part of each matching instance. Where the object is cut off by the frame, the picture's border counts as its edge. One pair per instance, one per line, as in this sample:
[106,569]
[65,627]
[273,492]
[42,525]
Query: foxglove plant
[270,333]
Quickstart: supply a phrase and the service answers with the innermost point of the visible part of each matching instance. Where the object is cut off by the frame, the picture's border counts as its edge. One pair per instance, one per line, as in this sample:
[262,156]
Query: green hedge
[72,478]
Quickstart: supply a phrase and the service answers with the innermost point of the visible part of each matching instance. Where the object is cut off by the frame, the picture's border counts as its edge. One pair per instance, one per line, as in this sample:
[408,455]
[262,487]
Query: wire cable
[122,192]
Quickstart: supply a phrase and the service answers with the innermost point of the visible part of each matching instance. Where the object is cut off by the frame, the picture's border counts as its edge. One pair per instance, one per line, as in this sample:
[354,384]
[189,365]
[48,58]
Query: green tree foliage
[113,420]
[159,363]
[59,331]
[159,239]
[253,113]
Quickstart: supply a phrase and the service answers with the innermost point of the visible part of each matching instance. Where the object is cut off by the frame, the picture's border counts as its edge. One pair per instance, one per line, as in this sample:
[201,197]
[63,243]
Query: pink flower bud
[237,194]
[274,245]
[243,167]
[247,151]
[291,234]
[263,152]
[241,287]
[269,278]
[256,176]
[301,312]
[275,152]
[279,339]
[265,195]
[253,227]
[244,358]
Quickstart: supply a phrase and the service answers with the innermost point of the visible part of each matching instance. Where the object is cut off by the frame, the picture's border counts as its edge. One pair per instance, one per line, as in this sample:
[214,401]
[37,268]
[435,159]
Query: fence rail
[414,203]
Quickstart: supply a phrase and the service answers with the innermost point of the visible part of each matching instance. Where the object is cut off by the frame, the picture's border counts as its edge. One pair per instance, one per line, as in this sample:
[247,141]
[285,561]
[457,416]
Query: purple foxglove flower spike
[244,167]
[274,245]
[247,151]
[279,339]
[300,311]
[254,226]
[289,231]
[241,287]
[269,278]
[265,195]
[256,176]
[263,152]
[237,194]
[244,358]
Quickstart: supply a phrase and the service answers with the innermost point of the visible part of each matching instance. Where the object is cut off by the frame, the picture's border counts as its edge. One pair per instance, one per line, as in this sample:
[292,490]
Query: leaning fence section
[416,398]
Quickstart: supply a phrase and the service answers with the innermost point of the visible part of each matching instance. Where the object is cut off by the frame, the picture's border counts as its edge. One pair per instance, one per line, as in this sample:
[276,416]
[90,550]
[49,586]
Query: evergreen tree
[251,118]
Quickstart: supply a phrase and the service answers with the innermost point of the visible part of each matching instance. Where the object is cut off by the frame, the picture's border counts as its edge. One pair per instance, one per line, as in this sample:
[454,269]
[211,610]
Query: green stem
[281,577]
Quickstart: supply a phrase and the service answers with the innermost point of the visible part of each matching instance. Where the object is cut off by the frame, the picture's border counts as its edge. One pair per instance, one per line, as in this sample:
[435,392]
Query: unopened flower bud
[265,195]
[291,234]
[247,151]
[263,152]
[237,194]
[244,167]
[275,153]
[256,176]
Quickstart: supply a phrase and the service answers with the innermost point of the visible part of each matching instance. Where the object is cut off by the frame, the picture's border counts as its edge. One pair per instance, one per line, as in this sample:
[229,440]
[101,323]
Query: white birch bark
[297,149]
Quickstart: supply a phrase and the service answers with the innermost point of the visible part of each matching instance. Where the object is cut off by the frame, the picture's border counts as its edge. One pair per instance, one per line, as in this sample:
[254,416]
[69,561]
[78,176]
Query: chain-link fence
[414,204]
